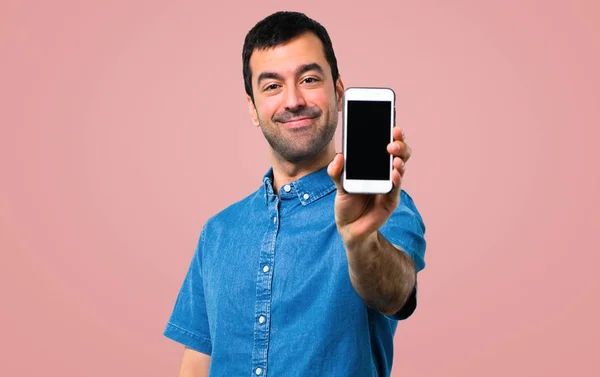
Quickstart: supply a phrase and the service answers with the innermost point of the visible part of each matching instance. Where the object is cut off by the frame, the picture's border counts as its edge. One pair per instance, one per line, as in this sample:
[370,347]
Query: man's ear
[339,91]
[252,111]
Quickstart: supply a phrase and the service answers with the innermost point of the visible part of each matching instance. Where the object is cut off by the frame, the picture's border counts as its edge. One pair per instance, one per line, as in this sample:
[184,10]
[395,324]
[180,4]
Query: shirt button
[258,371]
[274,219]
[266,269]
[261,319]
[306,196]
[287,188]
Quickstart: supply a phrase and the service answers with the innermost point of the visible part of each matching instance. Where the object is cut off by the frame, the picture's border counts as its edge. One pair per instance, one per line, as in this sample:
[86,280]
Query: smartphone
[368,118]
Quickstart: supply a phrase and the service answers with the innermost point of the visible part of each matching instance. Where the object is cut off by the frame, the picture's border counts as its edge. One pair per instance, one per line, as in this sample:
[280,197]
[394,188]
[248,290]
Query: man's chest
[295,267]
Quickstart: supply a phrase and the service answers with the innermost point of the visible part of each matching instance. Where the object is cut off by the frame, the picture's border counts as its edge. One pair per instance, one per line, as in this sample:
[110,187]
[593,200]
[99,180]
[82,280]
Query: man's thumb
[335,171]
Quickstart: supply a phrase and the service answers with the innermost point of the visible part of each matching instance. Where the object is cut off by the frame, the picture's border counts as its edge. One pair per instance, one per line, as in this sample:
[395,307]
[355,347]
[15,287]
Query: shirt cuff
[188,339]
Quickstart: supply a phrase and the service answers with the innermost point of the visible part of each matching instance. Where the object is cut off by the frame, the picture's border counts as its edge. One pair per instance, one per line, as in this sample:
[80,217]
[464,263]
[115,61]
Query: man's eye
[271,87]
[310,80]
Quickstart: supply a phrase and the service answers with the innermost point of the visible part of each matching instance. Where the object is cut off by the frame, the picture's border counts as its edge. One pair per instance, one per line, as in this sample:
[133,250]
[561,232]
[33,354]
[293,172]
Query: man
[300,278]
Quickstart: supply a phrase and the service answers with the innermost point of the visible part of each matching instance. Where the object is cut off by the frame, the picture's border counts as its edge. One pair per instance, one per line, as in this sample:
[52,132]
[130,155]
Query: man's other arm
[194,364]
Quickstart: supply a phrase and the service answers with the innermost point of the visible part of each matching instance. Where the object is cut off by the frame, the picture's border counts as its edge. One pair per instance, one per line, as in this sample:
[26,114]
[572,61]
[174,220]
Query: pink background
[124,127]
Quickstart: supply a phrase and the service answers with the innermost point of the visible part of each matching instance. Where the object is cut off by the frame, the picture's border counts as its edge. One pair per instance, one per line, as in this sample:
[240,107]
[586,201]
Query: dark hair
[279,28]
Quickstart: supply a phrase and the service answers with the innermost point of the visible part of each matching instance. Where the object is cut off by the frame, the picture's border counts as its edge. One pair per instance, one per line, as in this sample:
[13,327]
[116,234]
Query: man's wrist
[369,241]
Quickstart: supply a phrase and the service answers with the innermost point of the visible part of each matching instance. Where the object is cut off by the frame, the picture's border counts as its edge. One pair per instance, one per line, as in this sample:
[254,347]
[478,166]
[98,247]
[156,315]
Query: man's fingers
[400,149]
[399,165]
[398,134]
[396,182]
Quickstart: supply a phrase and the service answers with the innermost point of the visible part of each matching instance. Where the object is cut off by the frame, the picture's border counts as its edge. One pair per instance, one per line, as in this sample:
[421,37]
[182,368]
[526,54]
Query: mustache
[303,112]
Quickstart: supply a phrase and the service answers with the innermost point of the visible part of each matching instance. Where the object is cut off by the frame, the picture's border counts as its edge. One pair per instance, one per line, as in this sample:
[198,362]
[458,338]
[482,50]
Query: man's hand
[359,216]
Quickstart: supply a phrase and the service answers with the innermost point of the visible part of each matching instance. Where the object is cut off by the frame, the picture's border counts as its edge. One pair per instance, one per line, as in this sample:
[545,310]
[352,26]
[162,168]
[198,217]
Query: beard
[296,145]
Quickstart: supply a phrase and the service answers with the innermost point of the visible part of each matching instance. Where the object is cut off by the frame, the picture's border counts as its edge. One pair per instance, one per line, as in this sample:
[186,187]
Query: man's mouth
[298,122]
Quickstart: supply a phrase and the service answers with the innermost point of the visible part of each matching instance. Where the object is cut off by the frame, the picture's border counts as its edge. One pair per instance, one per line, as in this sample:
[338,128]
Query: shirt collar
[308,188]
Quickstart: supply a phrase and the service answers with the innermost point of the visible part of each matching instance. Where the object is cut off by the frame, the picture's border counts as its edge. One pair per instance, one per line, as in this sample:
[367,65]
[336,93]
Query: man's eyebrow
[300,70]
[269,75]
[309,67]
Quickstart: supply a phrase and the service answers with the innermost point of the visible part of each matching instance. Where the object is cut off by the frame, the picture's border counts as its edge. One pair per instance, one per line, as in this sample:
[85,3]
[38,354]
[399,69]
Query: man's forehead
[287,57]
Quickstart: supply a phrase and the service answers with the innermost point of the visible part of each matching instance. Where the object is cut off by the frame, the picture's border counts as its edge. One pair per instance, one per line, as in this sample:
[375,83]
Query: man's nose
[294,98]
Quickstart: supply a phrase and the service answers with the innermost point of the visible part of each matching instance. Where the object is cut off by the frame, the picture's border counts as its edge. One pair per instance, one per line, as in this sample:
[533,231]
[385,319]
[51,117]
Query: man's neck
[285,171]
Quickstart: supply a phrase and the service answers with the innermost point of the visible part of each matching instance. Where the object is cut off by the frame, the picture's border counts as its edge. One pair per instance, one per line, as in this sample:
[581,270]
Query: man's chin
[300,154]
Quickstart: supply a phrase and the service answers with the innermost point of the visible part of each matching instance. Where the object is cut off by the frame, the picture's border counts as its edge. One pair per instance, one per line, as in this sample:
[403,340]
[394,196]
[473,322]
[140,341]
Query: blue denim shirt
[268,293]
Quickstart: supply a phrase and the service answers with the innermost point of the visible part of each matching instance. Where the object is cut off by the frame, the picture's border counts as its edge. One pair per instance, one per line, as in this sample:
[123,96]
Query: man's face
[295,100]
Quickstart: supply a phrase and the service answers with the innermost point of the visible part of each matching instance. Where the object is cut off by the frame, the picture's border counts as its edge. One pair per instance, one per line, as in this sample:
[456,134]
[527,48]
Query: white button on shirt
[306,196]
[266,269]
[258,371]
[261,319]
[287,188]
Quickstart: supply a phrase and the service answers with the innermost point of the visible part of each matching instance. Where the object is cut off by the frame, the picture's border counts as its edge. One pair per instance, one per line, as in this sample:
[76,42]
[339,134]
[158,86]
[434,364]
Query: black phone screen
[367,136]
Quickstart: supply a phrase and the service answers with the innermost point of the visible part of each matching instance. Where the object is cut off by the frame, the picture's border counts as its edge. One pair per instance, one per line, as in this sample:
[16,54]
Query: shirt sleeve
[405,228]
[188,323]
